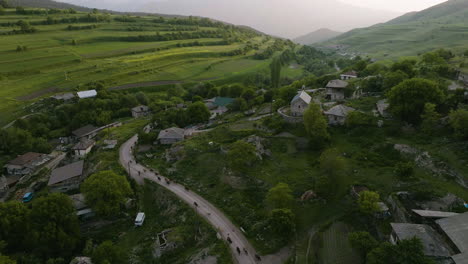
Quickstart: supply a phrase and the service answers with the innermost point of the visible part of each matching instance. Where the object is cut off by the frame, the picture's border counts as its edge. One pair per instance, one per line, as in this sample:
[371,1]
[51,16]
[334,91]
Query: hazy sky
[285,18]
[395,5]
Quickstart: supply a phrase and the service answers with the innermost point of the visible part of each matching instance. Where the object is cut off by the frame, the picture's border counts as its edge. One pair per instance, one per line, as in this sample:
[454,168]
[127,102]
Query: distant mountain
[441,26]
[320,35]
[284,18]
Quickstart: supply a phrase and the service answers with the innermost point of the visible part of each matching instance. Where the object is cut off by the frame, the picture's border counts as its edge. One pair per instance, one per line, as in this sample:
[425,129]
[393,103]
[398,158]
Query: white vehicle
[140,219]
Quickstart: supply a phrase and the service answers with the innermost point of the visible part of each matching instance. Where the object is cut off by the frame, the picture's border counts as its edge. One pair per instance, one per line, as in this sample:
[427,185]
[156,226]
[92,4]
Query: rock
[175,153]
[259,146]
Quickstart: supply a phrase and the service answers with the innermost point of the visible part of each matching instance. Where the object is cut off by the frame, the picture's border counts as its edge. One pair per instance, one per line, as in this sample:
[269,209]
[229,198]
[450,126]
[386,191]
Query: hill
[442,26]
[320,35]
[56,51]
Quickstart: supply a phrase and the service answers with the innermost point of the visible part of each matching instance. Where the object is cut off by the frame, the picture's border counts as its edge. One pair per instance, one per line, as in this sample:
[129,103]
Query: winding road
[205,209]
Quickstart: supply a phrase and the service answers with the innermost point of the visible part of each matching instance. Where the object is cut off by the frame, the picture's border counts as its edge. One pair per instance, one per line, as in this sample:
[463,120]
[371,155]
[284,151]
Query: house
[456,229]
[300,103]
[433,243]
[337,115]
[140,111]
[382,108]
[83,147]
[87,94]
[336,90]
[64,97]
[67,177]
[171,135]
[349,75]
[88,131]
[26,163]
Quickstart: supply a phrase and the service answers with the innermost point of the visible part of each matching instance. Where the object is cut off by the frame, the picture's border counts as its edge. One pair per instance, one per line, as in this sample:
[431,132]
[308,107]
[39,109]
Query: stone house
[140,111]
[300,103]
[67,177]
[171,135]
[349,75]
[26,164]
[337,115]
[82,148]
[336,90]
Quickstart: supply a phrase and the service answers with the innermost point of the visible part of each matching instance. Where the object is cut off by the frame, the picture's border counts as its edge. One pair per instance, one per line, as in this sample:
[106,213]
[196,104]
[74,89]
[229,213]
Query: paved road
[205,209]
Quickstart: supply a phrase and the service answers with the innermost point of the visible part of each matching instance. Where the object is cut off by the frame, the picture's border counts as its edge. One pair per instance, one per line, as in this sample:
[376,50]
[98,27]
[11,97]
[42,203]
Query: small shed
[300,103]
[349,75]
[171,135]
[337,115]
[336,90]
[67,177]
[83,147]
[140,111]
[87,94]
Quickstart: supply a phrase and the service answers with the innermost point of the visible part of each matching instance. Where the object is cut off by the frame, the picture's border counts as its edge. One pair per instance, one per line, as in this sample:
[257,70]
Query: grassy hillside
[317,36]
[68,51]
[444,25]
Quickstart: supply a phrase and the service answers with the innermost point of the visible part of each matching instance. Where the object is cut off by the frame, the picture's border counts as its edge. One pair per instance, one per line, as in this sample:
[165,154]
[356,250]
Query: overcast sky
[284,18]
[395,5]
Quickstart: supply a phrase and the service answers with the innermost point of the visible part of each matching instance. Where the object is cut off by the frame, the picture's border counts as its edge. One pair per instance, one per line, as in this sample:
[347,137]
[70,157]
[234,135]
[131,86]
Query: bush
[404,170]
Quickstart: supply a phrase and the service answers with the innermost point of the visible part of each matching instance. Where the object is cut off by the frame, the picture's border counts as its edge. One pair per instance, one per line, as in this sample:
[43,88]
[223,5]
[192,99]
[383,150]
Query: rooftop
[456,228]
[26,158]
[302,96]
[340,110]
[84,131]
[350,73]
[173,132]
[461,258]
[84,144]
[433,214]
[140,109]
[65,96]
[433,243]
[337,84]
[66,172]
[87,94]
[220,101]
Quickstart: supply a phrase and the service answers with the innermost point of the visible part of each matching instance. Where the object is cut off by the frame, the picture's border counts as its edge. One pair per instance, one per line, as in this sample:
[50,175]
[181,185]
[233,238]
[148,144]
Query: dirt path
[205,209]
[143,84]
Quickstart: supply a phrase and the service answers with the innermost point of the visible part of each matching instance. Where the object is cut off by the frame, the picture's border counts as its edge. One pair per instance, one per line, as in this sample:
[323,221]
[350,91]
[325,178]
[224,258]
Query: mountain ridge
[316,36]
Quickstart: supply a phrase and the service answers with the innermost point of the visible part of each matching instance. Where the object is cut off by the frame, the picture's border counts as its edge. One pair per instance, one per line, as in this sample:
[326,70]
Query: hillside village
[367,163]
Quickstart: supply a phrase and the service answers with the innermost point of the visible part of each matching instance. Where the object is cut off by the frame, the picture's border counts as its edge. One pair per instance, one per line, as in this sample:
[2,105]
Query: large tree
[407,100]
[56,231]
[368,202]
[316,126]
[405,252]
[281,221]
[15,225]
[198,113]
[106,192]
[241,156]
[280,196]
[107,252]
[459,123]
[363,242]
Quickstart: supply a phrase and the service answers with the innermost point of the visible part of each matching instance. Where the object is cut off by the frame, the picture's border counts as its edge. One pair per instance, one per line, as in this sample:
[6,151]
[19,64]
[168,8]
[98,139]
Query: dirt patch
[143,84]
[38,94]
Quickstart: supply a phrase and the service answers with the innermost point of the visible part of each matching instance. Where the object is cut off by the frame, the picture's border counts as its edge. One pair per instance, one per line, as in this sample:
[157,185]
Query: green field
[58,59]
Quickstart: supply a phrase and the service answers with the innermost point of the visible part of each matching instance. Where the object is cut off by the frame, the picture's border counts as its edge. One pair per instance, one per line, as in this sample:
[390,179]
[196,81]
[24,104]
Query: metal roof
[66,172]
[87,94]
[433,214]
[456,228]
[84,131]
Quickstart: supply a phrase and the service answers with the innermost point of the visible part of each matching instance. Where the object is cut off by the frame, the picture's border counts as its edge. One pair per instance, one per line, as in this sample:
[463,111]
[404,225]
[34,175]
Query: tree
[404,170]
[6,260]
[241,156]
[106,191]
[407,100]
[198,113]
[406,66]
[332,164]
[430,118]
[275,72]
[15,225]
[316,126]
[107,252]
[358,119]
[459,123]
[280,196]
[405,252]
[369,202]
[363,242]
[281,221]
[392,79]
[56,231]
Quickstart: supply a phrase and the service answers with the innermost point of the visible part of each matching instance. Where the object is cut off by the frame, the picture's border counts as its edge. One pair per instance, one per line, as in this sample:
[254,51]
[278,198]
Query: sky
[395,5]
[283,18]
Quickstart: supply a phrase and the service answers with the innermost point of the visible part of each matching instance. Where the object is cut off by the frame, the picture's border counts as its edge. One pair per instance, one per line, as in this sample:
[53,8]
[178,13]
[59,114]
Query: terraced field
[117,51]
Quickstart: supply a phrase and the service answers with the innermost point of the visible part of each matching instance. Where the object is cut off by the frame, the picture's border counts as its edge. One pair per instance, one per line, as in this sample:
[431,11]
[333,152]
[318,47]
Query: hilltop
[320,35]
[444,25]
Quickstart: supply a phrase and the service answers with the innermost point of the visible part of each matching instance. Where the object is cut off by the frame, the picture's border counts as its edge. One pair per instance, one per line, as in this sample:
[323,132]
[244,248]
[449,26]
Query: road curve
[204,208]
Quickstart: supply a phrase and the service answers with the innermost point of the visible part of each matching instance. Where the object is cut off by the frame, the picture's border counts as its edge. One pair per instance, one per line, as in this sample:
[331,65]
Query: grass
[336,248]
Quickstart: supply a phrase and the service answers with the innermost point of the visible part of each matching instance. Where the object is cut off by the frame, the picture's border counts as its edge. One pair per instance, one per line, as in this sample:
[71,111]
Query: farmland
[67,54]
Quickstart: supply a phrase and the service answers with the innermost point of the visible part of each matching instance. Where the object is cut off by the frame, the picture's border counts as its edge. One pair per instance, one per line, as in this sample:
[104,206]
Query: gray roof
[337,84]
[140,109]
[456,228]
[302,96]
[461,258]
[350,73]
[65,96]
[433,243]
[26,159]
[87,94]
[66,172]
[433,214]
[172,133]
[84,131]
[340,110]
[84,144]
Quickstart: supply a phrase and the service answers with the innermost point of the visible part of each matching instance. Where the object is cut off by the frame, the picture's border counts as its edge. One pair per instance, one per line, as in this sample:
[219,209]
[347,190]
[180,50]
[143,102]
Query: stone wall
[290,119]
